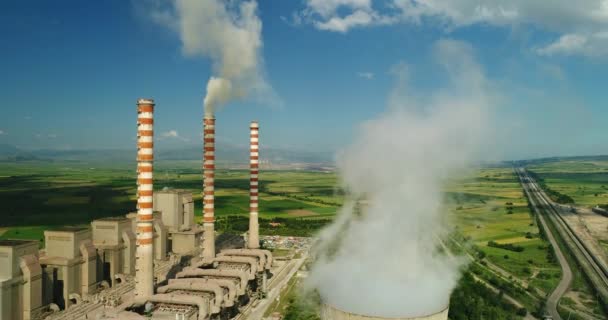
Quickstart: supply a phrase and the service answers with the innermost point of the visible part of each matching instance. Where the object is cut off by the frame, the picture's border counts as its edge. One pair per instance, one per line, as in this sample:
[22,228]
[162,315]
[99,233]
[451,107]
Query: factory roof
[15,242]
[68,229]
[112,219]
[171,190]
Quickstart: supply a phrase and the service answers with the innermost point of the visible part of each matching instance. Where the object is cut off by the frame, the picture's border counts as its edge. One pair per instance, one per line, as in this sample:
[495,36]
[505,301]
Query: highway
[589,264]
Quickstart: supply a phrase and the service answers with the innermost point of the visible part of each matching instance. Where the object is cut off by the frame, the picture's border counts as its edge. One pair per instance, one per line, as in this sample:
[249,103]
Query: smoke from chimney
[228,33]
[144,265]
[385,261]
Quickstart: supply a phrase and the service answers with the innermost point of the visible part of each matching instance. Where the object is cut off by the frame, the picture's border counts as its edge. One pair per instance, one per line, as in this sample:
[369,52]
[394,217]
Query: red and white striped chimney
[254,165]
[209,187]
[144,262]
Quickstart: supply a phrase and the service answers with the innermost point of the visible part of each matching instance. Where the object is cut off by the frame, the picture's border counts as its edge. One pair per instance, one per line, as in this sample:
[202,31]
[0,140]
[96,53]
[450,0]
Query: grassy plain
[584,180]
[485,205]
[489,205]
[35,196]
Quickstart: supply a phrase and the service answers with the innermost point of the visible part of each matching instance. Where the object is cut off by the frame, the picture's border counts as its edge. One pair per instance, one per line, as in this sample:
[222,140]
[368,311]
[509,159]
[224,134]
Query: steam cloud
[385,261]
[230,34]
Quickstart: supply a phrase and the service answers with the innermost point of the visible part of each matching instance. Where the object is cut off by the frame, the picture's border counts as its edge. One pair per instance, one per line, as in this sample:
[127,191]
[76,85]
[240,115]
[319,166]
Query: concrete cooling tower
[329,312]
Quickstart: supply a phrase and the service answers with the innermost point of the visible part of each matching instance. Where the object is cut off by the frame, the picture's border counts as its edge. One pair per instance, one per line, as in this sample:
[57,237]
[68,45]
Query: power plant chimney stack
[254,165]
[144,265]
[208,189]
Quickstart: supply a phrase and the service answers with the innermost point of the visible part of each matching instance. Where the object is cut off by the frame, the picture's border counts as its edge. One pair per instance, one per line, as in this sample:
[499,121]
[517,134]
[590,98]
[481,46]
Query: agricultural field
[584,180]
[486,205]
[489,215]
[494,224]
[37,196]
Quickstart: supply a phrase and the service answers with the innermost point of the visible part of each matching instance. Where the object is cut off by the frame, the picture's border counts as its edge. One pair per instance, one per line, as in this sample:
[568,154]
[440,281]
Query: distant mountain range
[224,154]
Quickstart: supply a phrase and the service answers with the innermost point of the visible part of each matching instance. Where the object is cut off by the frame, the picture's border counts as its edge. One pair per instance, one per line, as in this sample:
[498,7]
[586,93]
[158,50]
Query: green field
[584,180]
[488,206]
[35,195]
[487,211]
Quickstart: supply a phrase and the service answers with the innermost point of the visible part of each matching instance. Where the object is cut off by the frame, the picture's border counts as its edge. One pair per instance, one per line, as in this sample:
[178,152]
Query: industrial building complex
[156,263]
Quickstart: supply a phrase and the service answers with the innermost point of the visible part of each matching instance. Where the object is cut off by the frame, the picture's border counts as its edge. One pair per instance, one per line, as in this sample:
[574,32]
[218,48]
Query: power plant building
[20,280]
[69,266]
[115,243]
[156,263]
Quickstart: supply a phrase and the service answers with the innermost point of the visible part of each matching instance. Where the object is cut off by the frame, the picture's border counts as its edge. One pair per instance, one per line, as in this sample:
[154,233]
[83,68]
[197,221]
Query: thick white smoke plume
[384,261]
[230,34]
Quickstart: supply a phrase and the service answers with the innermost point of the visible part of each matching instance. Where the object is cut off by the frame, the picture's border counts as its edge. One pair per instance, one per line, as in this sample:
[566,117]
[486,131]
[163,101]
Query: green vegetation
[506,246]
[496,226]
[580,283]
[556,196]
[493,224]
[27,233]
[297,227]
[585,180]
[474,301]
[295,303]
[36,196]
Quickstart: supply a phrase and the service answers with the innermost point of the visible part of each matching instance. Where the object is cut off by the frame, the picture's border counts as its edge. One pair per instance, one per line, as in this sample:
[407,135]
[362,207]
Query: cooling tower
[329,312]
[209,188]
[254,229]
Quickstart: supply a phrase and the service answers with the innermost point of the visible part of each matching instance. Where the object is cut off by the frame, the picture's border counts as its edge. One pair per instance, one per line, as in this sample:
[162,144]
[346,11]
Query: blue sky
[72,71]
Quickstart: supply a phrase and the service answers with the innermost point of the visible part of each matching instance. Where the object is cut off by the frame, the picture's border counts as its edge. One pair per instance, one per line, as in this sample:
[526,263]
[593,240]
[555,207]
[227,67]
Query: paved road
[578,246]
[566,280]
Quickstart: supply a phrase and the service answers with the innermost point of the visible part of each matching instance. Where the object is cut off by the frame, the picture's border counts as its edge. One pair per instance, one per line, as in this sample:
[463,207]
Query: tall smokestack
[144,262]
[209,186]
[254,236]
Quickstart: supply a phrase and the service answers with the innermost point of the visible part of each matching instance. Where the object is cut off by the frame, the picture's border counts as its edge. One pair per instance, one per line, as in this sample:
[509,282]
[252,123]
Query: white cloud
[2,132]
[324,15]
[366,75]
[327,8]
[46,136]
[173,134]
[581,28]
[343,24]
[170,134]
[296,19]
[592,45]
[555,15]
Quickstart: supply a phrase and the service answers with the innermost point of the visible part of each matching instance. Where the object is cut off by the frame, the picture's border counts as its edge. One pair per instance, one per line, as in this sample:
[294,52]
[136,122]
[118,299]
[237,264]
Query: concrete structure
[209,187]
[161,235]
[20,280]
[144,265]
[254,235]
[329,312]
[184,242]
[177,211]
[68,266]
[115,243]
[177,208]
